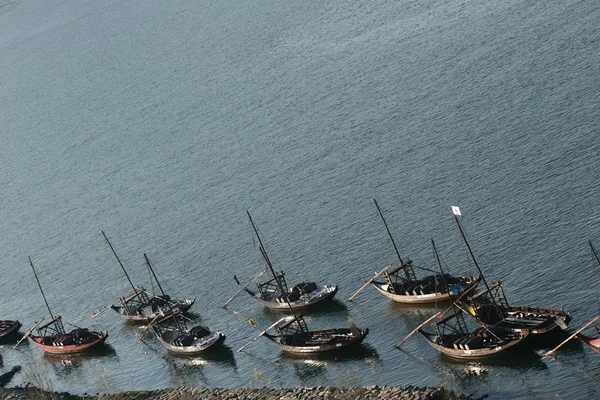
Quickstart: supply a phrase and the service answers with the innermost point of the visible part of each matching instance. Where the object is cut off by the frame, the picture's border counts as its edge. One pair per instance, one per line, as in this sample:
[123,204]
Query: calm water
[163,122]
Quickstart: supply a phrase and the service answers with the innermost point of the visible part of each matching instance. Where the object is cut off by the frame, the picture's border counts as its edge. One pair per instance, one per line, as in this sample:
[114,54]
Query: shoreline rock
[308,393]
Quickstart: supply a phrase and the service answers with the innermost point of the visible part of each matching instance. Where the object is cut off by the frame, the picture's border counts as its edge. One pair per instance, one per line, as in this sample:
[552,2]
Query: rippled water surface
[163,122]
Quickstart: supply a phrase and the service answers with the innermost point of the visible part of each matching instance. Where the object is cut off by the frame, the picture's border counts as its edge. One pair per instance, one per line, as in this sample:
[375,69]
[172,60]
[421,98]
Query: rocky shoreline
[308,393]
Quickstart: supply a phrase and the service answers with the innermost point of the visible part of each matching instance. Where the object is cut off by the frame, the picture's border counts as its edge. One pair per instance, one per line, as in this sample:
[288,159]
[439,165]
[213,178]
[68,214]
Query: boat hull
[70,349]
[555,320]
[420,298]
[350,340]
[474,354]
[318,296]
[9,331]
[543,324]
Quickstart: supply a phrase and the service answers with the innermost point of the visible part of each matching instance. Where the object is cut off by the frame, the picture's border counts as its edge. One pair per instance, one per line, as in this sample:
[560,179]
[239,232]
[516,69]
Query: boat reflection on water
[312,369]
[76,359]
[521,361]
[422,310]
[189,370]
[221,355]
[329,307]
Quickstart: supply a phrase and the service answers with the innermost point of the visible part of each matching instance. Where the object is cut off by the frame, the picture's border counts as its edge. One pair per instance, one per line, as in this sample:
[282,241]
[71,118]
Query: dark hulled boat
[294,337]
[275,294]
[9,330]
[292,334]
[53,338]
[453,337]
[140,305]
[491,307]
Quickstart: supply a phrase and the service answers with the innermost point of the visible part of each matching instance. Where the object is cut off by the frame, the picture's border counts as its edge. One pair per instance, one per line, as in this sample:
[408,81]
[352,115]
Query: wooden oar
[143,333]
[29,332]
[438,314]
[244,287]
[287,317]
[122,300]
[573,335]
[370,280]
[103,309]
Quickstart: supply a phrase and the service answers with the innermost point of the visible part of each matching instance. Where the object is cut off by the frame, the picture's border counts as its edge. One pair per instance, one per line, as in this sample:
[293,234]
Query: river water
[161,123]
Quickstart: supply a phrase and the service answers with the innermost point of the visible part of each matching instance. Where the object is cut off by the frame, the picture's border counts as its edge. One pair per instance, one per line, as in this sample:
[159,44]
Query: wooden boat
[294,337]
[140,305]
[478,344]
[292,334]
[402,285]
[275,294]
[491,307]
[53,338]
[176,336]
[9,330]
[430,289]
[453,338]
[303,295]
[178,339]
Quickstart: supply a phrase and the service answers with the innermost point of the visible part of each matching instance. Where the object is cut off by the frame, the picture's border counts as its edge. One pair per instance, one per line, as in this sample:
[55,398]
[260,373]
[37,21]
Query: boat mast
[41,290]
[598,260]
[406,272]
[389,233]
[594,252]
[155,278]
[268,261]
[458,315]
[175,318]
[266,257]
[462,233]
[121,264]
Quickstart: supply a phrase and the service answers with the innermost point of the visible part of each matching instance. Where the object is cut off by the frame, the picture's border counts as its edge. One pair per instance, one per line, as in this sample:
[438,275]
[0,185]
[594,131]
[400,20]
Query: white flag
[456,210]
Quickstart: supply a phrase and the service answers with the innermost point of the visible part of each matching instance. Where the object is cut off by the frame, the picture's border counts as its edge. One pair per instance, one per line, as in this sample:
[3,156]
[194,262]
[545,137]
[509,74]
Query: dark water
[163,122]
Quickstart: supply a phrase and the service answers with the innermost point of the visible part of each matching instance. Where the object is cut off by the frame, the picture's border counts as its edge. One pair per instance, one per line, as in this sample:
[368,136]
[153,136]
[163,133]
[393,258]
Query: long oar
[143,333]
[263,332]
[440,314]
[29,332]
[244,287]
[573,335]
[103,309]
[370,280]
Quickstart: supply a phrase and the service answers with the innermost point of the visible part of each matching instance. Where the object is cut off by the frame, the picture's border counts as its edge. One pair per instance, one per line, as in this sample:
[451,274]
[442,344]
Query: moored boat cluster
[478,323]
